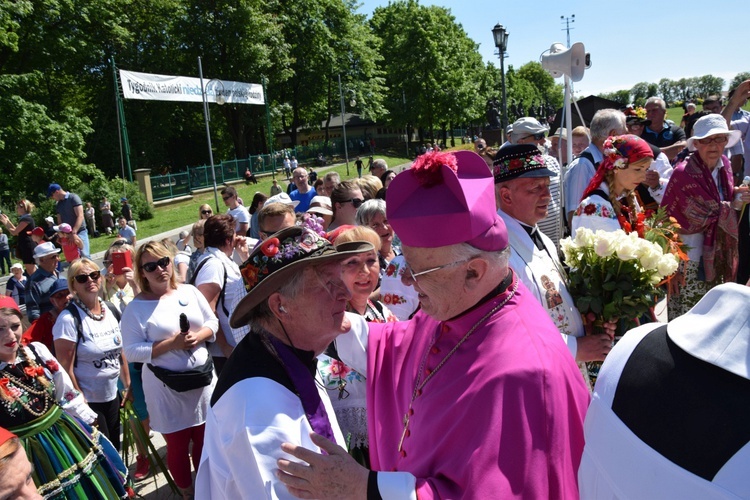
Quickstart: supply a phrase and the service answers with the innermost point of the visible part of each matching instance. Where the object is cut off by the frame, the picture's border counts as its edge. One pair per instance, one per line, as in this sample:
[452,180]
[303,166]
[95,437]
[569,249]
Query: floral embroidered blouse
[595,212]
[23,395]
[347,387]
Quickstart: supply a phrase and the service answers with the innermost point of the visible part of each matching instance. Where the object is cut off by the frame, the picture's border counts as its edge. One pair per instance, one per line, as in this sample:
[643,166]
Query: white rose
[626,249]
[568,249]
[668,264]
[604,244]
[584,237]
[650,258]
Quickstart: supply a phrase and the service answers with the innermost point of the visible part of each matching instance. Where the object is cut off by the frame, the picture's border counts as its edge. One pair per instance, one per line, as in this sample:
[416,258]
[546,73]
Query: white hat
[281,198]
[50,220]
[528,126]
[713,124]
[321,205]
[45,249]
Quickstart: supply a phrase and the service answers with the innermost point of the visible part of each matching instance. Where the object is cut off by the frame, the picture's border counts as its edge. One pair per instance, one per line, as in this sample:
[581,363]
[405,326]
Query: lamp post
[207,117]
[353,102]
[501,42]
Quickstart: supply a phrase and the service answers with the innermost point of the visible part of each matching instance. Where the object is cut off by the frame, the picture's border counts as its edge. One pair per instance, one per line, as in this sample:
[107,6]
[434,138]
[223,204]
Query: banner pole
[270,135]
[122,128]
[208,136]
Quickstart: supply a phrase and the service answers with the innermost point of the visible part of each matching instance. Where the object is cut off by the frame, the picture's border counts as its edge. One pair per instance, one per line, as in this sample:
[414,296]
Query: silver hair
[331,176]
[605,120]
[260,316]
[369,210]
[380,163]
[464,251]
[656,100]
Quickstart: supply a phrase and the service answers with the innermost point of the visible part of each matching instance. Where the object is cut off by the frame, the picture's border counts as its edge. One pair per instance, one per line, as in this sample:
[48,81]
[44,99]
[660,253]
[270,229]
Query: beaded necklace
[28,385]
[89,313]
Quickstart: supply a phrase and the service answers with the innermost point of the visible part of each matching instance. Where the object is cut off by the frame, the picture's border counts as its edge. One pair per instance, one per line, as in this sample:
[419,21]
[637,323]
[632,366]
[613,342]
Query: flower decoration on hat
[511,166]
[427,168]
[275,254]
[638,112]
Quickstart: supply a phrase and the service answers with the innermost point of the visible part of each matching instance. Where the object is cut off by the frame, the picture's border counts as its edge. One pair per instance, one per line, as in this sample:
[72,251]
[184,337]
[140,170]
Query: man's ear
[275,304]
[476,271]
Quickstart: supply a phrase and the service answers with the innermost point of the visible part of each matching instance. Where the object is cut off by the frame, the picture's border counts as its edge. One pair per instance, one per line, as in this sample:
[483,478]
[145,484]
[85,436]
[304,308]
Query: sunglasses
[719,139]
[226,197]
[83,278]
[357,202]
[209,212]
[538,136]
[150,267]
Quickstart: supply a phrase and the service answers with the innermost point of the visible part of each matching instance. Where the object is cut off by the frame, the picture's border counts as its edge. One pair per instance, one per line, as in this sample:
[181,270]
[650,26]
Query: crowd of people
[405,335]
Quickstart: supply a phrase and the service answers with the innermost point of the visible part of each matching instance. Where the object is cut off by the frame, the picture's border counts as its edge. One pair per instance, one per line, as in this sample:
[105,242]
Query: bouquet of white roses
[614,274]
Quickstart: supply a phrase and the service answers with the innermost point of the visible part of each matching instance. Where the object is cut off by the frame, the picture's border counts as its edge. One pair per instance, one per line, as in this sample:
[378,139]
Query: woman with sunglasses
[88,344]
[166,327]
[205,211]
[22,231]
[346,198]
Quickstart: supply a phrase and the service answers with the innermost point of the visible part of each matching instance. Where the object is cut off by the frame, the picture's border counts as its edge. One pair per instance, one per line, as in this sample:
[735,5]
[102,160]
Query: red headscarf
[619,152]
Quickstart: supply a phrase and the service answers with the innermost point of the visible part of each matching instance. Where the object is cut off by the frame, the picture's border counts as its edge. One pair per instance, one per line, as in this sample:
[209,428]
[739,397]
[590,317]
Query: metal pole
[569,153]
[505,100]
[406,125]
[270,135]
[122,130]
[208,136]
[343,126]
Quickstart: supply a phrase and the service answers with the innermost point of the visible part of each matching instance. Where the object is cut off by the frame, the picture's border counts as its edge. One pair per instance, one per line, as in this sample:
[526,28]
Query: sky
[629,42]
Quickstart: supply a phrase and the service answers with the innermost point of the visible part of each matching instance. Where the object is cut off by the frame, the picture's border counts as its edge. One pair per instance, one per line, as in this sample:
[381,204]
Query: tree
[621,97]
[739,78]
[639,93]
[666,90]
[38,149]
[708,85]
[429,62]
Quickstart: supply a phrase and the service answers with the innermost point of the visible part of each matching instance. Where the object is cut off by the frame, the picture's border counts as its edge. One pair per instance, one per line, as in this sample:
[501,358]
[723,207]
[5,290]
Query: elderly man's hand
[336,475]
[652,179]
[593,347]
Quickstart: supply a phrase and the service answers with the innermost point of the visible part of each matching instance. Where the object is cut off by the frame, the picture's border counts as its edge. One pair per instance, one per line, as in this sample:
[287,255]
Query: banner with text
[153,87]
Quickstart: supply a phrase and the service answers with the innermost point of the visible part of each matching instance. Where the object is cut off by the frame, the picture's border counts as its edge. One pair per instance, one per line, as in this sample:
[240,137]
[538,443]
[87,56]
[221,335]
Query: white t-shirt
[213,272]
[240,216]
[98,353]
[148,321]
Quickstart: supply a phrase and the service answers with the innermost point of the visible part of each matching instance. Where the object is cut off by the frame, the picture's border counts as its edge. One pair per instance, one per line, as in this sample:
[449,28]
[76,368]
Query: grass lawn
[186,212]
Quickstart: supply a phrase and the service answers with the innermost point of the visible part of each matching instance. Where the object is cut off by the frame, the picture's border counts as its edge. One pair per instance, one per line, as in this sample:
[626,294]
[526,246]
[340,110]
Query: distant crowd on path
[327,332]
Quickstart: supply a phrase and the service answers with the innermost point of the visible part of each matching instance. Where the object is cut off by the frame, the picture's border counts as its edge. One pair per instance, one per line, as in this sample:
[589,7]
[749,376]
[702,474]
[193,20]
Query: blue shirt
[37,293]
[303,198]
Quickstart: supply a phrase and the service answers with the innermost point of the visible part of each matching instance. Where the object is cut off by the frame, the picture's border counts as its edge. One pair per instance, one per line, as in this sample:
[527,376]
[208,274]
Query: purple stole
[304,383]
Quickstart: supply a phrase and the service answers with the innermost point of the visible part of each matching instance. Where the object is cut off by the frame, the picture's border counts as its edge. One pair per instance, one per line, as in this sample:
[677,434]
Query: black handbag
[187,380]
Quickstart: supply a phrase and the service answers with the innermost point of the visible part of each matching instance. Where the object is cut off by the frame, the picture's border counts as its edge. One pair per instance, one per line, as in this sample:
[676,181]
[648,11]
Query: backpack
[73,310]
[223,285]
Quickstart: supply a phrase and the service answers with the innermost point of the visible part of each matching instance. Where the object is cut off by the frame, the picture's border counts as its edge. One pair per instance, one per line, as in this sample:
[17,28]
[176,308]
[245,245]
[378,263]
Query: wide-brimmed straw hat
[277,259]
[713,124]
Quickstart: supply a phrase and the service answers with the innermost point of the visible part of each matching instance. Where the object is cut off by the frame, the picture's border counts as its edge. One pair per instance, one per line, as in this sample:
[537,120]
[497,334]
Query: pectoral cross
[406,429]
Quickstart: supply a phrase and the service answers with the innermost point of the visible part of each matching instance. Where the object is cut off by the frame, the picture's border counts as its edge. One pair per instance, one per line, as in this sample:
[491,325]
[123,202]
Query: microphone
[184,324]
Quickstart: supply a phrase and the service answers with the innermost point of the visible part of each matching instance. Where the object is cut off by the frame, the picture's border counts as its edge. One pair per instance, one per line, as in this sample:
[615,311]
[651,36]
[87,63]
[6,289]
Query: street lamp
[219,100]
[352,103]
[501,42]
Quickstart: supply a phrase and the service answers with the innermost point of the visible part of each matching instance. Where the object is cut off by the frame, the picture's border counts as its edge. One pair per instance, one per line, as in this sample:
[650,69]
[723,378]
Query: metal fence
[173,185]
